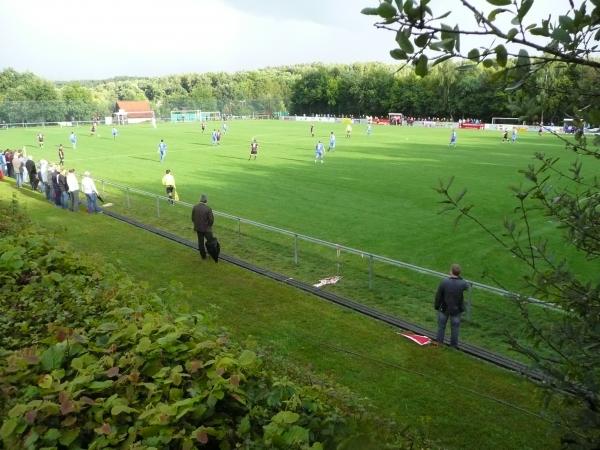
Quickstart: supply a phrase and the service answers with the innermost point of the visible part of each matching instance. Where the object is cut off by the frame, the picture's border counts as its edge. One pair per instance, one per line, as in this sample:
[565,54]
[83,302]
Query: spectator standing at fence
[19,167]
[91,193]
[449,303]
[63,189]
[43,178]
[61,155]
[203,219]
[32,172]
[168,181]
[73,140]
[162,149]
[55,186]
[73,185]
[8,156]
[3,165]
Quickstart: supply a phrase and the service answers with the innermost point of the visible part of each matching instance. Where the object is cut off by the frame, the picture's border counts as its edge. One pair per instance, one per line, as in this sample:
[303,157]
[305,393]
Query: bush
[92,360]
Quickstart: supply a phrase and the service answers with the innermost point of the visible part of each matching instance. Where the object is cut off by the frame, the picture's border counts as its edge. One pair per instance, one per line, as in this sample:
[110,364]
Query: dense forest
[450,91]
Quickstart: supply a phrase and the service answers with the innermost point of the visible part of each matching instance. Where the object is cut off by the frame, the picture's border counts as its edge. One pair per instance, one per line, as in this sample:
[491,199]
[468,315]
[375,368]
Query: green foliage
[91,361]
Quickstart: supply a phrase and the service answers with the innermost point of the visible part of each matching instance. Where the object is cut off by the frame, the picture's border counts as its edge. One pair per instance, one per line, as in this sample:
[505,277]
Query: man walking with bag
[203,219]
[449,303]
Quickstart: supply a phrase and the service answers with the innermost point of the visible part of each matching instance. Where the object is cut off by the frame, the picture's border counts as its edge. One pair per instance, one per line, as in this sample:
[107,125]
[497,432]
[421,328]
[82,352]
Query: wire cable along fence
[128,191]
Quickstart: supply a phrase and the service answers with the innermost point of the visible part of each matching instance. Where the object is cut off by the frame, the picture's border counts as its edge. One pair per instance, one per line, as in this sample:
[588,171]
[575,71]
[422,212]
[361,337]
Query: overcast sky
[82,39]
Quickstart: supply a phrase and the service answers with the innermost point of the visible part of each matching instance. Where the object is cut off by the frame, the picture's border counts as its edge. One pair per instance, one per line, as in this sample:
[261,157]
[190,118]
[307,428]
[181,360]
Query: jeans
[92,206]
[74,195]
[202,236]
[454,327]
[64,199]
[19,176]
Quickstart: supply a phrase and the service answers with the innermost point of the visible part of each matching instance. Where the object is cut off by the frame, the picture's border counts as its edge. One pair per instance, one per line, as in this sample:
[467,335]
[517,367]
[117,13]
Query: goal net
[194,115]
[505,120]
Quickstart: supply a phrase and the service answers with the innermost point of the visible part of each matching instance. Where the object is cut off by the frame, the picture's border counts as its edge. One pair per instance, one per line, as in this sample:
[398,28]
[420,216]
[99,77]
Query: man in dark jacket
[32,171]
[203,219]
[449,303]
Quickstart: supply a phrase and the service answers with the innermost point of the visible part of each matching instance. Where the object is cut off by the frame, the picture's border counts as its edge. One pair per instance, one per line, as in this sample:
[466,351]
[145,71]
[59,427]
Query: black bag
[213,248]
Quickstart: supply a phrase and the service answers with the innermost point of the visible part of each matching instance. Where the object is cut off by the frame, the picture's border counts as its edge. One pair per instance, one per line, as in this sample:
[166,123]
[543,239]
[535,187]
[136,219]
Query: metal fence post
[296,249]
[370,271]
[157,206]
[127,195]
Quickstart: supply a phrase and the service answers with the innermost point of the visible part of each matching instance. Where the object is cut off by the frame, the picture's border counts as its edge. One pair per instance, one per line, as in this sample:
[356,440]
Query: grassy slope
[304,329]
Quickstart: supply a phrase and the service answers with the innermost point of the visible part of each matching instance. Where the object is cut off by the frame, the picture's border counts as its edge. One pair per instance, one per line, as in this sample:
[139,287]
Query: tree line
[452,90]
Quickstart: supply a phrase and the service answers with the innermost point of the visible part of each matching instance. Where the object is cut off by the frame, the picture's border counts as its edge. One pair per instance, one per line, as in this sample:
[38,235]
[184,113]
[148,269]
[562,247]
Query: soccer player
[162,150]
[513,138]
[40,139]
[319,152]
[93,130]
[253,149]
[61,155]
[453,137]
[224,127]
[203,127]
[168,182]
[369,129]
[505,136]
[213,137]
[348,130]
[218,137]
[331,142]
[312,130]
[115,133]
[73,140]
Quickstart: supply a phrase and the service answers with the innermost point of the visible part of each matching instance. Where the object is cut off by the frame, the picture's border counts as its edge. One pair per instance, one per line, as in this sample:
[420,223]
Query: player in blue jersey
[369,129]
[513,138]
[331,142]
[162,150]
[319,152]
[73,140]
[115,133]
[453,137]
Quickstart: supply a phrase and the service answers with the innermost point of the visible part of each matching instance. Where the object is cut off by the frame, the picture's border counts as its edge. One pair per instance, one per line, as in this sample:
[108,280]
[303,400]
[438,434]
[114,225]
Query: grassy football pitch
[373,193]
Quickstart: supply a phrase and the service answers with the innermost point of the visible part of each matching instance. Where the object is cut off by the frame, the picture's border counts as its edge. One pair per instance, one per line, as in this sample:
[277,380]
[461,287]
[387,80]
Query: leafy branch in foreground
[423,35]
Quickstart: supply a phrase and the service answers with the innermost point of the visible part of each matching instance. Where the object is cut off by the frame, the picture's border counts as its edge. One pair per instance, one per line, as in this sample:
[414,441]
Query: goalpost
[504,123]
[194,115]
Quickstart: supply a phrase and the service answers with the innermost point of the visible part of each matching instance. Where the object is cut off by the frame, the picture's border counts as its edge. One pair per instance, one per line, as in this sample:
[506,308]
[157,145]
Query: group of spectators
[60,186]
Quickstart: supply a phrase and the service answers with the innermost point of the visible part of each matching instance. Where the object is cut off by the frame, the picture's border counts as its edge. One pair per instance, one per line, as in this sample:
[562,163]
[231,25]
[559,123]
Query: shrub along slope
[91,360]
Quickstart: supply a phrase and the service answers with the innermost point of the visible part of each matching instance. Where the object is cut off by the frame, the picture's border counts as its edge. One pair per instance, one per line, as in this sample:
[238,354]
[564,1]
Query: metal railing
[371,257]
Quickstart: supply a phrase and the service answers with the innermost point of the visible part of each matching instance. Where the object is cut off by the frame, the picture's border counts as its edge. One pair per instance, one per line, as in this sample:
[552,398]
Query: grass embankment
[441,392]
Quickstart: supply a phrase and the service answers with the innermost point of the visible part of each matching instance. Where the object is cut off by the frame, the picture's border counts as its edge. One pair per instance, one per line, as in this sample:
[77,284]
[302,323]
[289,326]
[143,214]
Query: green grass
[374,193]
[439,391]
